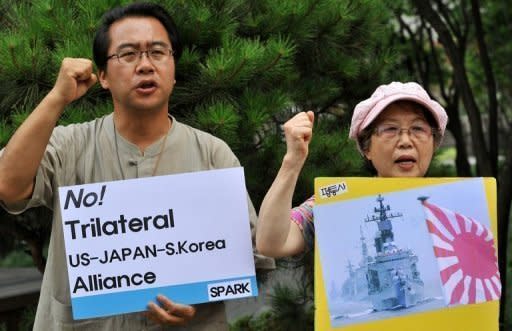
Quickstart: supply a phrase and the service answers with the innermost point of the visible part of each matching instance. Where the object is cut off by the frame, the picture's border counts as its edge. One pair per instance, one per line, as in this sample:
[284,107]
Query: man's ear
[102,76]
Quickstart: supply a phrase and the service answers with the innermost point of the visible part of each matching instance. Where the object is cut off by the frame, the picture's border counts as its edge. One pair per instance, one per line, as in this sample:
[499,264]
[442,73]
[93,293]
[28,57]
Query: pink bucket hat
[366,111]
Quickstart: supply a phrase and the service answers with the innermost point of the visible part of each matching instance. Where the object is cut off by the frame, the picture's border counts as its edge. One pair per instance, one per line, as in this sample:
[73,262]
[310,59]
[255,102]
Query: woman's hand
[298,132]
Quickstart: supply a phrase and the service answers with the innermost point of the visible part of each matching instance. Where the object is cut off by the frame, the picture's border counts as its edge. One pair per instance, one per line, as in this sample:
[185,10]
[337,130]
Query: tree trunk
[491,86]
[462,83]
[487,162]
[455,127]
[504,217]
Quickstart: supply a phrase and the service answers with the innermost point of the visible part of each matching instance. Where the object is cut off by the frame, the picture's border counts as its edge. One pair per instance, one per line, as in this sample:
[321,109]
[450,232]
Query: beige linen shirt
[88,153]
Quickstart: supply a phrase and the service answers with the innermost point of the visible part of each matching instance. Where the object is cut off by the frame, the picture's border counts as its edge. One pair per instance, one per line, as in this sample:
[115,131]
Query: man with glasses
[135,49]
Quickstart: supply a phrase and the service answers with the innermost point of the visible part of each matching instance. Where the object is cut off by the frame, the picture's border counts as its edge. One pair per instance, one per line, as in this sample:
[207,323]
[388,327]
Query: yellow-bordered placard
[342,200]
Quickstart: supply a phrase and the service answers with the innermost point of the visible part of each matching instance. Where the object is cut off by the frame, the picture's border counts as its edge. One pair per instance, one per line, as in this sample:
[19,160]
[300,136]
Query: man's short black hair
[138,9]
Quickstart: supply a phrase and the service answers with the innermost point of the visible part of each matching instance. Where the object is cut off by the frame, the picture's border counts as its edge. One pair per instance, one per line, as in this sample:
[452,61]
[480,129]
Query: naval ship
[390,279]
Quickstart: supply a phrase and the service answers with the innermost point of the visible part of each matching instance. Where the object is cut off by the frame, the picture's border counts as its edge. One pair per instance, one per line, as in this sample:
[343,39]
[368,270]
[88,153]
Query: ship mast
[364,249]
[385,236]
[350,268]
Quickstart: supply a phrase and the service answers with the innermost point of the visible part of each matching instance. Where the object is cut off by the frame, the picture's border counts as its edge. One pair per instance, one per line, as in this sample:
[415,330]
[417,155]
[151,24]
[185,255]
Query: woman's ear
[367,155]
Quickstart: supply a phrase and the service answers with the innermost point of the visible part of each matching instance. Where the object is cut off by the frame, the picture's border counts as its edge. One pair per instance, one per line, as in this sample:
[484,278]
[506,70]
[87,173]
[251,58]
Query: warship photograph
[398,254]
[390,279]
[381,278]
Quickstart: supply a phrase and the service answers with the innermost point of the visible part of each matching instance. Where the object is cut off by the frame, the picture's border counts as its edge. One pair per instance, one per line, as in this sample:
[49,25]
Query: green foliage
[291,309]
[27,319]
[263,322]
[5,133]
[241,324]
[81,112]
[443,163]
[19,116]
[220,118]
[16,258]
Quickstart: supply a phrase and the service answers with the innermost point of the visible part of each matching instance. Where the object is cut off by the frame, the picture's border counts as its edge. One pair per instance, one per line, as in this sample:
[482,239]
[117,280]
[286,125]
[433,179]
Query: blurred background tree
[249,65]
[459,50]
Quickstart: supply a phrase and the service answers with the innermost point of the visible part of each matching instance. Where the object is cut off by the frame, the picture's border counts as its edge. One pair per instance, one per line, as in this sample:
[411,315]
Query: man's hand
[74,79]
[24,152]
[298,132]
[170,313]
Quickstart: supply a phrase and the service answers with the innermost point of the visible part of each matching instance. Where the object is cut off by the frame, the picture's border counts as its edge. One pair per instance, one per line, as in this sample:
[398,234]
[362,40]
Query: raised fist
[74,79]
[298,133]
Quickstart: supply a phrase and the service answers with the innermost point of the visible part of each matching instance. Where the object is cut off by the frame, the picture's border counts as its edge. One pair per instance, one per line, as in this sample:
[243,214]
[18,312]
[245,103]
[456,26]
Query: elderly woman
[397,131]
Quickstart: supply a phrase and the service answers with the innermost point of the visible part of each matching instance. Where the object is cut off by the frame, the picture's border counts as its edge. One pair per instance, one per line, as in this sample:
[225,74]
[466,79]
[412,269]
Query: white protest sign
[185,236]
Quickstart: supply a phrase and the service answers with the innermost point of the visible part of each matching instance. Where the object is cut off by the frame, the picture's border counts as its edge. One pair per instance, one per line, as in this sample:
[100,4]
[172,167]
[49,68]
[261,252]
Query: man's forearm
[22,155]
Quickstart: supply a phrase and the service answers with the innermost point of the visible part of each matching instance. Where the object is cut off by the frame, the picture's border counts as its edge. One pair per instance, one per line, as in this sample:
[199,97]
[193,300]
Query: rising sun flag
[466,256]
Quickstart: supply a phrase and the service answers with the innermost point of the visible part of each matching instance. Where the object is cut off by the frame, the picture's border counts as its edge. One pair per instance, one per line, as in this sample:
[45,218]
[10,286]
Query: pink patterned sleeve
[303,213]
[303,217]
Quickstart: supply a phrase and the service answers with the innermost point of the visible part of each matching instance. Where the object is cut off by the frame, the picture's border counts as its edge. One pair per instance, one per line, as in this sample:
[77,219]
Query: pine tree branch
[291,24]
[271,64]
[238,69]
[13,57]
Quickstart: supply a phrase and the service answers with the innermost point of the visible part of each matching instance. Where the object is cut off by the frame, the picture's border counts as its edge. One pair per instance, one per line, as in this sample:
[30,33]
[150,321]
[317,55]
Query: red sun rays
[466,256]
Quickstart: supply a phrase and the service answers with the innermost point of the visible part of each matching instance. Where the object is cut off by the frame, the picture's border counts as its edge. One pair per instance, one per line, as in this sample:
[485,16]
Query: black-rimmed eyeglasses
[133,56]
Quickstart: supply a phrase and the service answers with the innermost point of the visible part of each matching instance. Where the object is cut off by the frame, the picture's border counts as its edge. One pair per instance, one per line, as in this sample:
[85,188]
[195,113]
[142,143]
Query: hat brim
[382,104]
